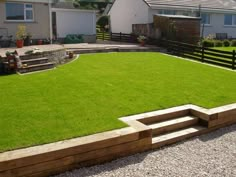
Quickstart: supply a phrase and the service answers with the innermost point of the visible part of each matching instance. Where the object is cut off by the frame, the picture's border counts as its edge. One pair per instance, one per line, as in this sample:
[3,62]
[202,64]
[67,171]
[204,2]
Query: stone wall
[56,57]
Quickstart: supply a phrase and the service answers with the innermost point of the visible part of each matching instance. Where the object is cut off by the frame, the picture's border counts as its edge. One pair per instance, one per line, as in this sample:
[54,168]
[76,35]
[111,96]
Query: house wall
[75,22]
[39,28]
[217,26]
[125,13]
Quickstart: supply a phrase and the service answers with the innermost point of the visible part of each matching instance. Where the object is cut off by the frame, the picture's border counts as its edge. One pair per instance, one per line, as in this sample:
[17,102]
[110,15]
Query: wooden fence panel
[119,37]
[207,55]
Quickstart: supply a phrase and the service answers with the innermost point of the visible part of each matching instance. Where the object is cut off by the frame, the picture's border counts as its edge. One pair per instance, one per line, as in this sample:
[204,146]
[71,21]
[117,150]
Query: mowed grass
[89,95]
[230,49]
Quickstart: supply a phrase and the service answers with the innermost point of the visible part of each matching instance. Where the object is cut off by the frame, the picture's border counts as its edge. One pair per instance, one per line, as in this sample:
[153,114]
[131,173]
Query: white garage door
[75,22]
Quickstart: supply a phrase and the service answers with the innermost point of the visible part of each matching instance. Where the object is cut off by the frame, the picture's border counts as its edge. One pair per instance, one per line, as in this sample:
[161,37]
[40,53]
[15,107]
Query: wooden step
[167,114]
[173,124]
[38,67]
[176,136]
[35,61]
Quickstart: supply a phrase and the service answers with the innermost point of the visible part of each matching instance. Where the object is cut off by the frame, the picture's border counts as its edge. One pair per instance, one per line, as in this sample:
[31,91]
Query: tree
[92,4]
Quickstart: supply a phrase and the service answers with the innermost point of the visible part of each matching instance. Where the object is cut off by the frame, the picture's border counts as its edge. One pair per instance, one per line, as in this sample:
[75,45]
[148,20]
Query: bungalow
[218,16]
[46,19]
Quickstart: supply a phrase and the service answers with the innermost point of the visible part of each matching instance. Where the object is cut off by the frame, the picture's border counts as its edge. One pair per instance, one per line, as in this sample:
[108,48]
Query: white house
[218,16]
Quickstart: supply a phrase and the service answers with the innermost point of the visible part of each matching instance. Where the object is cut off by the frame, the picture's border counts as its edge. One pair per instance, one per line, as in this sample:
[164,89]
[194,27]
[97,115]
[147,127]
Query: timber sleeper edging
[54,158]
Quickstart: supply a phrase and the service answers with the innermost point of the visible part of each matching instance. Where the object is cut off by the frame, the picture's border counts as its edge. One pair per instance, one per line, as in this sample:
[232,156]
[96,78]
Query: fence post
[203,51]
[120,36]
[179,50]
[233,59]
[103,35]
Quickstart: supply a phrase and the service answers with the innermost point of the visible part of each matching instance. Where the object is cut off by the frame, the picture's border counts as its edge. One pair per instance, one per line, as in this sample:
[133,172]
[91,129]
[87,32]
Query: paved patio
[98,45]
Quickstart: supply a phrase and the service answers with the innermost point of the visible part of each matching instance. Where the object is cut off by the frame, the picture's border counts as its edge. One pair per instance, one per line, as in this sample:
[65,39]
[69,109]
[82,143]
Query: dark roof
[208,4]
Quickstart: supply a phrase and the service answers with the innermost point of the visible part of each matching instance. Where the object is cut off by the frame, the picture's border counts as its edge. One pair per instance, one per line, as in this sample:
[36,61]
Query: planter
[142,43]
[40,42]
[71,55]
[19,43]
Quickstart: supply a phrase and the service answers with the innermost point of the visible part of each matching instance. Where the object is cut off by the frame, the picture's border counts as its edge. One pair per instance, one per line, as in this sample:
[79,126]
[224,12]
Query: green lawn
[90,94]
[230,49]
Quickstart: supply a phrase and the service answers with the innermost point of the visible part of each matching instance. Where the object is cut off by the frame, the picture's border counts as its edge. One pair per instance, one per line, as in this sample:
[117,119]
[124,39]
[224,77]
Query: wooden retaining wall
[55,158]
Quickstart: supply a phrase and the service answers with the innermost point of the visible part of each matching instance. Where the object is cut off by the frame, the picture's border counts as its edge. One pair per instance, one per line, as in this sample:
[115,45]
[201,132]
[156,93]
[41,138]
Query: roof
[178,16]
[205,4]
[38,1]
[64,5]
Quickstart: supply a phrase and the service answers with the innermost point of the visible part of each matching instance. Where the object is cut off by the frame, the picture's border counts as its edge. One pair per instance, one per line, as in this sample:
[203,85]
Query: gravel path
[210,155]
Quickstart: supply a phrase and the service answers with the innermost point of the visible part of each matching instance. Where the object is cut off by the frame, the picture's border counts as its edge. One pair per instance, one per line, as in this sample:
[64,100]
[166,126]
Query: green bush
[226,43]
[218,43]
[98,30]
[208,43]
[103,21]
[233,43]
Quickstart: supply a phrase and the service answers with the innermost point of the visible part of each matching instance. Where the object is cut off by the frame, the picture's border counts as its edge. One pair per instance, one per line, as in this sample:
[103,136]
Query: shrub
[218,43]
[103,21]
[233,43]
[226,43]
[208,43]
[21,32]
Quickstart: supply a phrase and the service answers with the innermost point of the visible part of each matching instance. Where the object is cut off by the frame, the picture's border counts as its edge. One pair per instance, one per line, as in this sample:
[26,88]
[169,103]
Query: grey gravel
[209,155]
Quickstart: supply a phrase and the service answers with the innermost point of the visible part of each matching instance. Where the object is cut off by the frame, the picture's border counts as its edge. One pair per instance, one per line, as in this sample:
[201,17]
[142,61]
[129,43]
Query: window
[19,12]
[186,14]
[167,12]
[230,20]
[206,19]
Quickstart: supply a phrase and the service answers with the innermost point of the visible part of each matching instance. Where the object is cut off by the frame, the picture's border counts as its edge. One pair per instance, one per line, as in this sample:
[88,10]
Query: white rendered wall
[124,13]
[75,22]
[217,26]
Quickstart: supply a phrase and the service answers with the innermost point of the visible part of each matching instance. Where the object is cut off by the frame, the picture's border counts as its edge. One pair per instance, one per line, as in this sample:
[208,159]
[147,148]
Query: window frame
[25,9]
[233,20]
[209,17]
[167,12]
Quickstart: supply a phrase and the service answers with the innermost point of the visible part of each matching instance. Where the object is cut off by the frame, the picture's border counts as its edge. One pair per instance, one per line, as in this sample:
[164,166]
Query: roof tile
[209,4]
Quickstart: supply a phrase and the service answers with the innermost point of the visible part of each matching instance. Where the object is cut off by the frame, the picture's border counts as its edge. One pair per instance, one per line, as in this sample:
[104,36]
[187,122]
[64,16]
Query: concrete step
[172,125]
[35,61]
[176,136]
[34,68]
